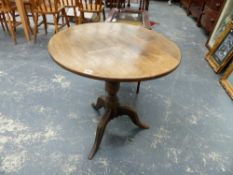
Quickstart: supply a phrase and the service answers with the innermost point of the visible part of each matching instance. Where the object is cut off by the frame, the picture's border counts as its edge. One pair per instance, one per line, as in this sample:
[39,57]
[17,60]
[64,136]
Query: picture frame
[222,52]
[224,18]
[227,81]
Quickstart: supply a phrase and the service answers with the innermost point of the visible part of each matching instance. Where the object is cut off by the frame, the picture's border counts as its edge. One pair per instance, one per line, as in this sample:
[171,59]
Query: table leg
[100,103]
[112,109]
[23,17]
[138,87]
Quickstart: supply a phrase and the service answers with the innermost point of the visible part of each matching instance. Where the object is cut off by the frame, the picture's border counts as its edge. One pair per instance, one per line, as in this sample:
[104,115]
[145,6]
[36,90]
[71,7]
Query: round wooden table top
[114,52]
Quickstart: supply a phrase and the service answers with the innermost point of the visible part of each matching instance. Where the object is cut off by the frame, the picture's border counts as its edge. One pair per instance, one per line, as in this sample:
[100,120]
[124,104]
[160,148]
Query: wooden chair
[90,6]
[49,7]
[8,8]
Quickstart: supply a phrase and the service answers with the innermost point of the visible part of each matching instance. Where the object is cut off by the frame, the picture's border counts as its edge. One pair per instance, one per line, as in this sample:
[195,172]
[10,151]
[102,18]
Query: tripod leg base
[132,114]
[100,132]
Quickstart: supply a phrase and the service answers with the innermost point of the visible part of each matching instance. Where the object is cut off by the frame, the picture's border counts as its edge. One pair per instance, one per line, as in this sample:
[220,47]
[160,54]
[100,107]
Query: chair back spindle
[90,5]
[69,3]
[45,6]
[4,5]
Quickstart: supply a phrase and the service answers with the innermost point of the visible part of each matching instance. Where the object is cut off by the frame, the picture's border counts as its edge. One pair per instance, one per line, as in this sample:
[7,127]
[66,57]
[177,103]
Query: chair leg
[55,23]
[138,87]
[98,17]
[58,17]
[62,19]
[14,20]
[5,21]
[12,31]
[128,5]
[66,18]
[31,30]
[36,27]
[104,16]
[33,17]
[81,18]
[1,21]
[27,14]
[45,24]
[75,16]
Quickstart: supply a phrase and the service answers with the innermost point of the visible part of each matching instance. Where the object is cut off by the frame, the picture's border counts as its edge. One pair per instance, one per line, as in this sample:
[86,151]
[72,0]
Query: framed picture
[222,51]
[227,81]
[225,17]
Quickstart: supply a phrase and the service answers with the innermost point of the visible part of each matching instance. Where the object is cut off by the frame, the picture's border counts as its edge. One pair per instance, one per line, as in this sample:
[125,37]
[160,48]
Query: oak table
[114,53]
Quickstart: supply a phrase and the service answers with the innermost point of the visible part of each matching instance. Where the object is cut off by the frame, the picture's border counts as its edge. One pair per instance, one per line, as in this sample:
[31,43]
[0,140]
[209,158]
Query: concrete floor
[47,126]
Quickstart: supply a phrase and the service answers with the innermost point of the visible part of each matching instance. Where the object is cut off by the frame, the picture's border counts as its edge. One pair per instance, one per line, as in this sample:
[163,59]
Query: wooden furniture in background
[8,8]
[129,16]
[49,7]
[195,8]
[222,52]
[211,14]
[206,12]
[185,4]
[227,81]
[119,53]
[91,6]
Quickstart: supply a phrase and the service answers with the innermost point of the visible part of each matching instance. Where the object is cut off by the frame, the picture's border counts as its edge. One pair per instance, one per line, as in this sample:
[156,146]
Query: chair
[90,6]
[49,7]
[8,8]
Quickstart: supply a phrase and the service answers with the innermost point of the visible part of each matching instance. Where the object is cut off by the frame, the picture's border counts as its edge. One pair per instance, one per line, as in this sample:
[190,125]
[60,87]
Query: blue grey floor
[47,126]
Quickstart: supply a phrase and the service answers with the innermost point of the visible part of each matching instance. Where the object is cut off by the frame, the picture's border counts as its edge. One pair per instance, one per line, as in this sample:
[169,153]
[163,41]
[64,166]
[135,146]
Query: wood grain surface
[114,52]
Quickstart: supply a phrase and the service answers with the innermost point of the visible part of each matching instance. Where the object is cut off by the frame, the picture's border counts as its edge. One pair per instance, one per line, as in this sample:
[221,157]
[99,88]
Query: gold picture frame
[227,81]
[222,52]
[224,18]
